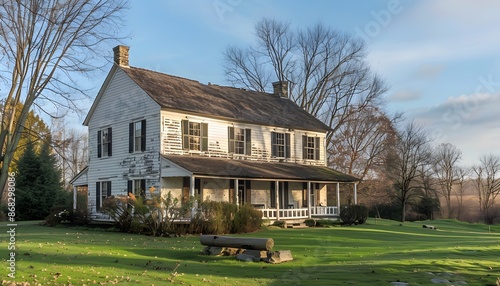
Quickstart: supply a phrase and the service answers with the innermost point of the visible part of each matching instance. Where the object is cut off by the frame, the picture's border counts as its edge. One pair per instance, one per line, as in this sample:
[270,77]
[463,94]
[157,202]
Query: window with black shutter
[240,140]
[103,190]
[280,147]
[310,147]
[104,143]
[137,188]
[194,135]
[137,136]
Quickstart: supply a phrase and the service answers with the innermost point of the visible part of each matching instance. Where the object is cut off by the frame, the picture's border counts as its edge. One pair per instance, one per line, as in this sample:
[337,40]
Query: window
[280,145]
[104,143]
[240,140]
[137,187]
[194,135]
[137,136]
[310,148]
[102,191]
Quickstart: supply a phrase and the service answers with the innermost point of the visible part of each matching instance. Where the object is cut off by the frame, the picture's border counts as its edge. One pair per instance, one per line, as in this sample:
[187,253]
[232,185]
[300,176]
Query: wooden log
[237,242]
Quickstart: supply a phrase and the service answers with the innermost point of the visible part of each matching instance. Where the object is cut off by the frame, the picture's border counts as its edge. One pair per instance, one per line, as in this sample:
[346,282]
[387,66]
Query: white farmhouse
[151,133]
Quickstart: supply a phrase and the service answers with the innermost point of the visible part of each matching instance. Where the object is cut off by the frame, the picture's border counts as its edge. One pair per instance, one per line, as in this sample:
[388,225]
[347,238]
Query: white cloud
[402,96]
[469,121]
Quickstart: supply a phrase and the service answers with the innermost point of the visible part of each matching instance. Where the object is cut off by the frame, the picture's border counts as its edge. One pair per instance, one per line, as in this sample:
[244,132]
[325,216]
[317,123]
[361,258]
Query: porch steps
[296,225]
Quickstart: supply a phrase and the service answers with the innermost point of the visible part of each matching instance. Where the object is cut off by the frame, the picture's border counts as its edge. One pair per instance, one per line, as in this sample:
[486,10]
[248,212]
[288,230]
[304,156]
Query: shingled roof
[172,92]
[217,167]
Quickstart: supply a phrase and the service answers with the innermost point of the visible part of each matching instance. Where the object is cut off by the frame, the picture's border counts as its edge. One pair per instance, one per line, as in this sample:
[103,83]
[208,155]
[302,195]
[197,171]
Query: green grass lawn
[376,253]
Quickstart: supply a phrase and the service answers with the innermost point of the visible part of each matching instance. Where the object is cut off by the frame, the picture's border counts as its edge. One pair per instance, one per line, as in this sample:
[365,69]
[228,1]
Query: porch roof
[219,167]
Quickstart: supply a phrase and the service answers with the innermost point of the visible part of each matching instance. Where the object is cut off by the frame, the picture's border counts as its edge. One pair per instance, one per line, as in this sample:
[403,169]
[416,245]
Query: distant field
[376,253]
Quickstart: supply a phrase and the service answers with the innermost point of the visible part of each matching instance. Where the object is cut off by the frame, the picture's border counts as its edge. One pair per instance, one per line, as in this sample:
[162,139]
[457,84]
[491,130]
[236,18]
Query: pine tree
[28,178]
[38,182]
[52,185]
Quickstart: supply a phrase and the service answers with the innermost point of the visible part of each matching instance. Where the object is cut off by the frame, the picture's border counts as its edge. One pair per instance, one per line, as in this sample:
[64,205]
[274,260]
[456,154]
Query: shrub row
[224,217]
[353,214]
[159,216]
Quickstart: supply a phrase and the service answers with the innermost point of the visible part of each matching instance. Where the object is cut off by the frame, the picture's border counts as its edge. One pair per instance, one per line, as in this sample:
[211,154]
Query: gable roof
[224,168]
[177,93]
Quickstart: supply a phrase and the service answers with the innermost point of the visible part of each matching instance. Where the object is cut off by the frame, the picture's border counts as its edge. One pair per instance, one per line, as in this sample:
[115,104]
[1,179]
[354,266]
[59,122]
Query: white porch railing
[324,211]
[284,213]
[328,211]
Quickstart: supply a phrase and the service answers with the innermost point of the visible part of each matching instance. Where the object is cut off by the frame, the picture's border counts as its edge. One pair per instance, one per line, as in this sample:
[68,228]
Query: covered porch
[281,191]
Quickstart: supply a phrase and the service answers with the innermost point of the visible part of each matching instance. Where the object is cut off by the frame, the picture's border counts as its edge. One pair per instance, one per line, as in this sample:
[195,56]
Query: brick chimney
[121,55]
[281,88]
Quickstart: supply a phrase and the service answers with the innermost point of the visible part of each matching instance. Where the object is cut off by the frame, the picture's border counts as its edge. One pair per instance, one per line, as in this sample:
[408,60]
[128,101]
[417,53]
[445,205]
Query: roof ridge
[166,74]
[196,81]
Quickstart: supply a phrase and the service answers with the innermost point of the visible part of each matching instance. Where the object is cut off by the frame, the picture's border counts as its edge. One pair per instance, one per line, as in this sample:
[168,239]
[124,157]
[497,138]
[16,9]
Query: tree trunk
[403,211]
[237,242]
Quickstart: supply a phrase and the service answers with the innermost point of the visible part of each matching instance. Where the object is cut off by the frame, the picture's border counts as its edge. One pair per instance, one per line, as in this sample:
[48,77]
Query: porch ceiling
[218,167]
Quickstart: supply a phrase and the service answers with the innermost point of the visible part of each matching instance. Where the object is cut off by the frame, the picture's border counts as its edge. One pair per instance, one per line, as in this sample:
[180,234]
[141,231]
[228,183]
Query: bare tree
[410,155]
[327,69]
[487,183]
[461,174]
[70,146]
[359,147]
[446,158]
[44,44]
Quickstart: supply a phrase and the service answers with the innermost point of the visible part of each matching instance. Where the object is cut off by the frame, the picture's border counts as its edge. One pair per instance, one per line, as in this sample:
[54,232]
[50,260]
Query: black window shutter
[186,182]
[143,189]
[248,191]
[185,134]
[304,194]
[230,131]
[204,137]
[110,137]
[99,142]
[287,145]
[304,147]
[273,144]
[248,142]
[273,194]
[97,196]
[109,189]
[130,187]
[131,137]
[316,148]
[143,135]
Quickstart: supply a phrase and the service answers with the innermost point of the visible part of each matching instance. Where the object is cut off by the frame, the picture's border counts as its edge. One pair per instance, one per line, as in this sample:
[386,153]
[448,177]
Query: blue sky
[441,59]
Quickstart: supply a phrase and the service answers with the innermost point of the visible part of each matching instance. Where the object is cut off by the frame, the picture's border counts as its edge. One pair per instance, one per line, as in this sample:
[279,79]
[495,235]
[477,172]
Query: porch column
[75,190]
[276,187]
[338,198]
[356,193]
[236,192]
[191,194]
[308,199]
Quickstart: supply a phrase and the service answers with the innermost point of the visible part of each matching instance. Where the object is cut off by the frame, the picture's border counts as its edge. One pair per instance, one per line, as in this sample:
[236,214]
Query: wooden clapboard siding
[120,103]
[218,143]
